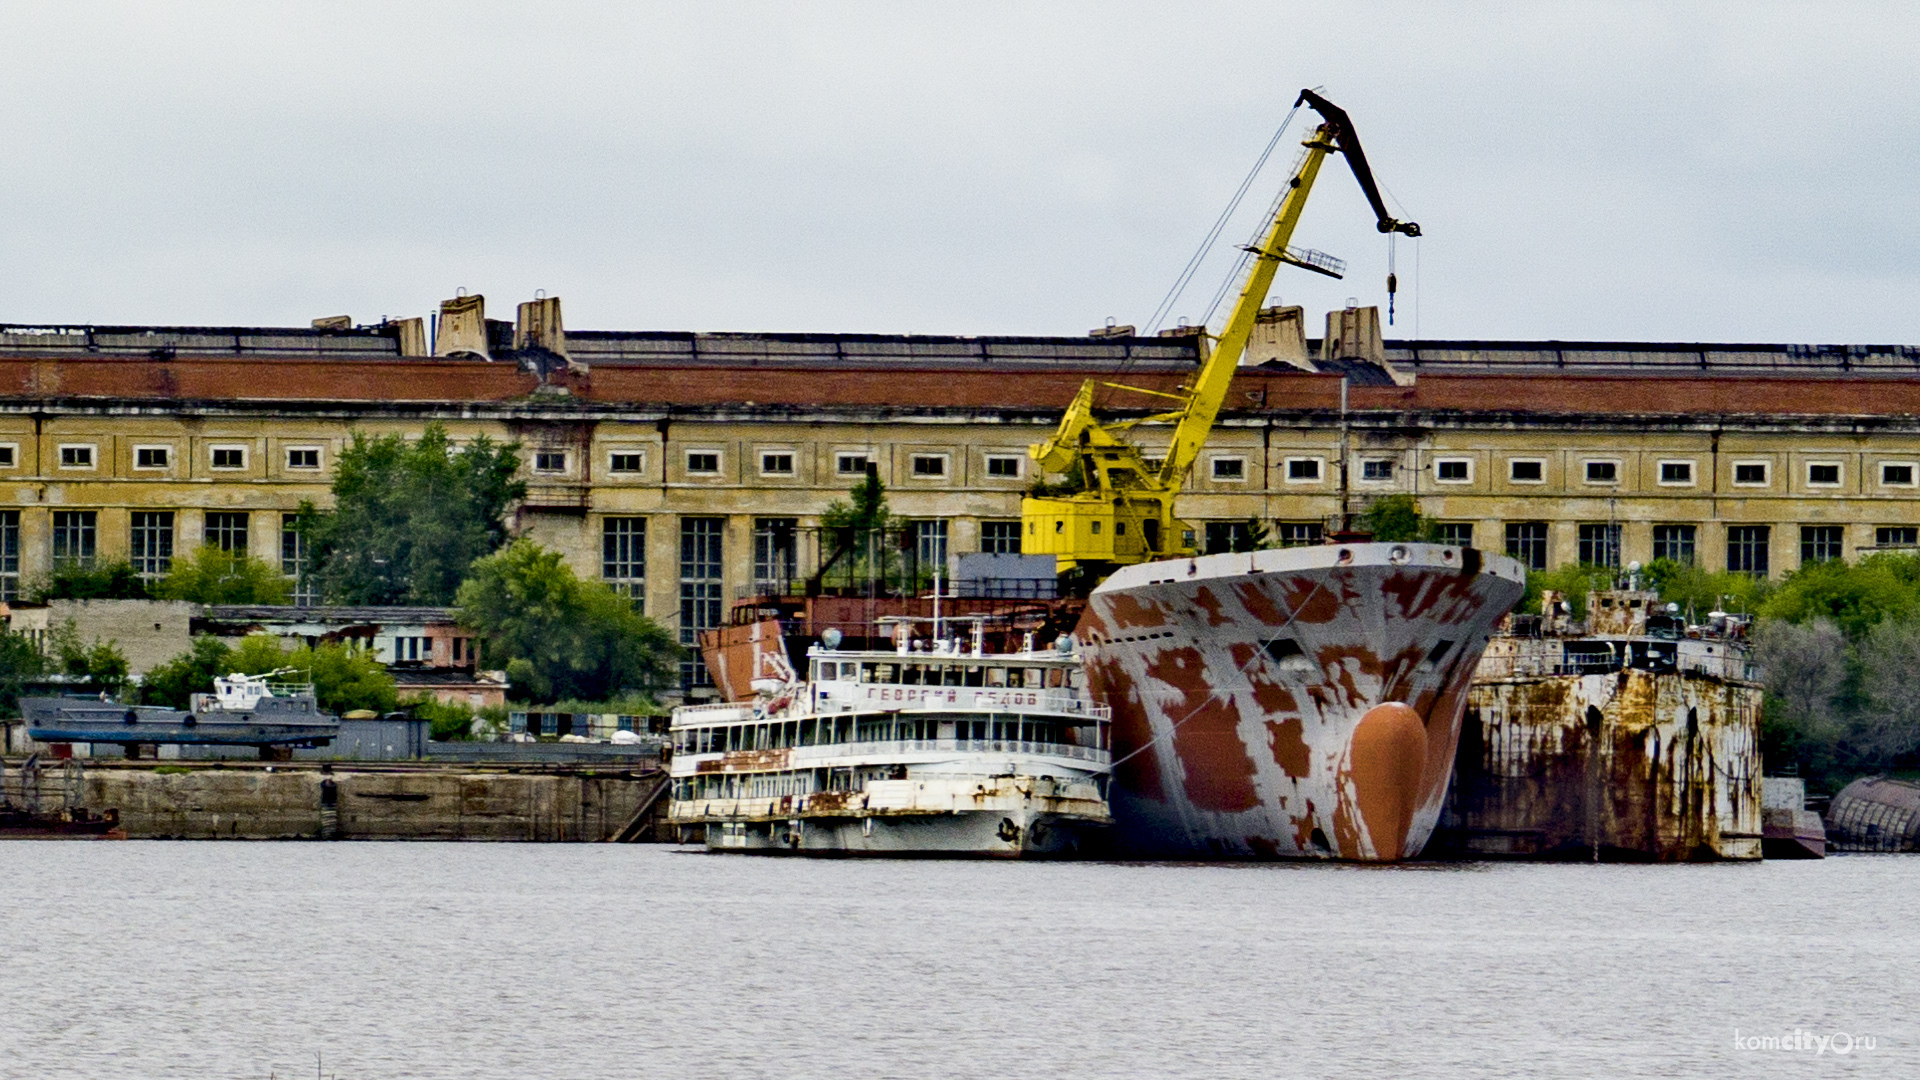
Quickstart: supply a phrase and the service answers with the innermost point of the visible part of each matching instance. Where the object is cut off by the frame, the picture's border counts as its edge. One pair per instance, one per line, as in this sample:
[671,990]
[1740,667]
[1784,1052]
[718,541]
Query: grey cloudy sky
[1667,172]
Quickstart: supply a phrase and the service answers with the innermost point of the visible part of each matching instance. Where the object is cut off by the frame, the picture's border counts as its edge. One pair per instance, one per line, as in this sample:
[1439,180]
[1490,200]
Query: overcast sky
[1661,172]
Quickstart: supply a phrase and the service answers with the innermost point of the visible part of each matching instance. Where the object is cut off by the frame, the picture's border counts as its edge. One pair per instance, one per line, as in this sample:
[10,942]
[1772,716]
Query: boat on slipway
[934,748]
[243,710]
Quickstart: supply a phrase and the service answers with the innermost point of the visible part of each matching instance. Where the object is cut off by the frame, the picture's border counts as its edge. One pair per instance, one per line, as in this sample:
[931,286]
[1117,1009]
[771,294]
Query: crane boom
[1123,512]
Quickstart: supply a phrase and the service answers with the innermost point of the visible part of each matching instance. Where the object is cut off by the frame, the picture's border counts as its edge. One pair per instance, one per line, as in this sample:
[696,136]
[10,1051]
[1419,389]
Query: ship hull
[1297,703]
[1012,833]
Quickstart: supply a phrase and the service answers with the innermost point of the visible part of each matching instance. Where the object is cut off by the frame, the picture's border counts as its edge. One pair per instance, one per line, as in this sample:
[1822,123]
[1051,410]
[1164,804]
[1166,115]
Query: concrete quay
[229,800]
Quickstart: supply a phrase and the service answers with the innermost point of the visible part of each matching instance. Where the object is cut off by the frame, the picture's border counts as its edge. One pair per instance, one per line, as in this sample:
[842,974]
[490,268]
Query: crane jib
[1117,506]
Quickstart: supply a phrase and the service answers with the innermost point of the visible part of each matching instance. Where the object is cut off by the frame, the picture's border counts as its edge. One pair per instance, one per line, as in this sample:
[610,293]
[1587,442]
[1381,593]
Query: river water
[200,960]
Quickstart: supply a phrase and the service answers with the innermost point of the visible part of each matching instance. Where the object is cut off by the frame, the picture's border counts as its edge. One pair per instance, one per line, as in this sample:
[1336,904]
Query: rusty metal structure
[1292,703]
[1633,737]
[1875,813]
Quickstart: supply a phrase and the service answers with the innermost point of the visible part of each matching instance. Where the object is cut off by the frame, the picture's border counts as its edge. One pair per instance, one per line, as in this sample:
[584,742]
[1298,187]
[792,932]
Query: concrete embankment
[281,801]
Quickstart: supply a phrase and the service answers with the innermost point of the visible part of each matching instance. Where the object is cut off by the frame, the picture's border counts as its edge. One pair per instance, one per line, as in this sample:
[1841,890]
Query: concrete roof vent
[537,326]
[334,322]
[463,328]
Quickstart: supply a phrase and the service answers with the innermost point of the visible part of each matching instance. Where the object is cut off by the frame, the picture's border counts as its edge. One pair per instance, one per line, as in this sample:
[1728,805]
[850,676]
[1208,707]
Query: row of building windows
[81,456]
[1597,471]
[150,543]
[779,463]
[1749,547]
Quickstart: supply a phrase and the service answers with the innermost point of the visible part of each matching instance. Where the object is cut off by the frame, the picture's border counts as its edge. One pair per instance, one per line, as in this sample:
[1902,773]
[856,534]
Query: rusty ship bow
[1302,702]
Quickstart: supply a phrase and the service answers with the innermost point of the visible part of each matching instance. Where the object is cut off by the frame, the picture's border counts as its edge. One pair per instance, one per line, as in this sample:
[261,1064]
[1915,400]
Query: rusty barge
[1633,737]
[1300,702]
[936,747]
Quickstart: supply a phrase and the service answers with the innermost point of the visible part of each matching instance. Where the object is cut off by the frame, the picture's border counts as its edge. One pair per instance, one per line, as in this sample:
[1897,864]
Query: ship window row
[873,728]
[936,674]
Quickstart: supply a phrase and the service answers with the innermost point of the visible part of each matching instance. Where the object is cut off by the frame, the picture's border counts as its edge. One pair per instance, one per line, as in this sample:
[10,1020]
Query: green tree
[98,663]
[345,678]
[409,517]
[90,581]
[1394,519]
[213,576]
[1855,596]
[1253,536]
[858,525]
[20,663]
[558,636]
[173,683]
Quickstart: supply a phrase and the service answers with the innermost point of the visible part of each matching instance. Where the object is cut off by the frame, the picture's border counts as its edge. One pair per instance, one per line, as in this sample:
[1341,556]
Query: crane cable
[1180,283]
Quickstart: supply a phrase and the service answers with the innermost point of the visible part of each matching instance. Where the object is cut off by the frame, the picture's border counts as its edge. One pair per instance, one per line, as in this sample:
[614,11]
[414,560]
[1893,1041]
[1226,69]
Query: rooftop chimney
[537,326]
[334,322]
[1279,337]
[1354,334]
[412,334]
[463,327]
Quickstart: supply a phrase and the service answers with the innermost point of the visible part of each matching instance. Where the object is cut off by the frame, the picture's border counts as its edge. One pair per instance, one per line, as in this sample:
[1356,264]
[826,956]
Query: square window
[1453,470]
[1896,536]
[1303,470]
[1750,473]
[1676,472]
[550,461]
[703,462]
[1673,542]
[1527,542]
[1600,545]
[229,457]
[303,457]
[1297,533]
[1527,471]
[777,464]
[1896,475]
[1821,543]
[929,465]
[1376,469]
[1003,466]
[1229,468]
[1747,549]
[1457,533]
[625,461]
[77,456]
[1823,474]
[151,457]
[6,456]
[1603,472]
[1000,537]
[850,464]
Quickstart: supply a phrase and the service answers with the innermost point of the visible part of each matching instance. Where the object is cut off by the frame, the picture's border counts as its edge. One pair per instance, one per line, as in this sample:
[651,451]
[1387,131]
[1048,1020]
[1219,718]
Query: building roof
[336,614]
[648,374]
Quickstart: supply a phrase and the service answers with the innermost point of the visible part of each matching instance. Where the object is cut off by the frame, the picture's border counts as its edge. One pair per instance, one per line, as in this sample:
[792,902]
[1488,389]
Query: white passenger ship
[945,750]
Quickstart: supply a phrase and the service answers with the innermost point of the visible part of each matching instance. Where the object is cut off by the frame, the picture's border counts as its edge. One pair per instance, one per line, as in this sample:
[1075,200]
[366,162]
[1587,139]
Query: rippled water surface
[438,960]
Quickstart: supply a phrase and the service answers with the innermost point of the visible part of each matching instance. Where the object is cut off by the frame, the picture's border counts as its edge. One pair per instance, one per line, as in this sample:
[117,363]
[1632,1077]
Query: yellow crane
[1123,512]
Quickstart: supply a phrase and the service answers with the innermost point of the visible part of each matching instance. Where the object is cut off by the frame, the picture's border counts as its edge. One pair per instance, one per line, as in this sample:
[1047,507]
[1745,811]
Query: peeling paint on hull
[1625,765]
[1297,703]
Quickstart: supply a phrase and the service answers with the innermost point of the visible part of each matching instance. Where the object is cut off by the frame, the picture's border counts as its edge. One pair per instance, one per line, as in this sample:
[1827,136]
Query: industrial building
[687,469]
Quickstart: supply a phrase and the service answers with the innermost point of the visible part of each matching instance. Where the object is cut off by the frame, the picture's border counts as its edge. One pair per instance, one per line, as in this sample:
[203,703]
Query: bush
[90,581]
[173,683]
[448,721]
[213,576]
